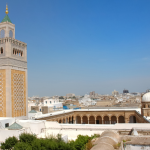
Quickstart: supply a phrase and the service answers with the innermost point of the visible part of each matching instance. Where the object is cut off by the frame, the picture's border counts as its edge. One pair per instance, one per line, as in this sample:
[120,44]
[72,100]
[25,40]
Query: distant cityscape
[91,100]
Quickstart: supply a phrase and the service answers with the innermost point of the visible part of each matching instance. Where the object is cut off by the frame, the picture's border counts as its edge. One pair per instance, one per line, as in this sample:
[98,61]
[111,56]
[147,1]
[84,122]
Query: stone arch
[106,120]
[60,121]
[70,120]
[64,120]
[85,120]
[98,120]
[113,119]
[121,119]
[91,120]
[132,119]
[78,119]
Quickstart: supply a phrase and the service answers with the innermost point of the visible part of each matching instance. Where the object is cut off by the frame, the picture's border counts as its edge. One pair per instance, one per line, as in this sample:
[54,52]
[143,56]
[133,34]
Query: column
[81,120]
[102,119]
[74,119]
[95,120]
[88,120]
[117,119]
[109,119]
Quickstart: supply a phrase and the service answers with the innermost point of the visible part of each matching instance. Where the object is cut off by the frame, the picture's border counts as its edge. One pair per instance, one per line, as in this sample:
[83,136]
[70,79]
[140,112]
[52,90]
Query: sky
[79,46]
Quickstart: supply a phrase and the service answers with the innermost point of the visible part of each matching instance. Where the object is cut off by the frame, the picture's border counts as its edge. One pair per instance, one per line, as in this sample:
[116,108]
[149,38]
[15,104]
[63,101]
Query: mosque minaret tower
[13,72]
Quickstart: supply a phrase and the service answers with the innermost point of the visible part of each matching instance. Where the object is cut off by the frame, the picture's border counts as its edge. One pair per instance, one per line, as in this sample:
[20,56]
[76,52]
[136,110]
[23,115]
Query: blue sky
[78,46]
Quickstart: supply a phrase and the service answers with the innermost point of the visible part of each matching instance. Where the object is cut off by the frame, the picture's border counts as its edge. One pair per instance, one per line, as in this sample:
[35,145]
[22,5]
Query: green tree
[22,146]
[27,138]
[9,143]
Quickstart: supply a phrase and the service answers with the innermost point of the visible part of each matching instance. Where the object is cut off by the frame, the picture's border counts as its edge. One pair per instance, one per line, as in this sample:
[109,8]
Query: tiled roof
[32,111]
[15,126]
[6,18]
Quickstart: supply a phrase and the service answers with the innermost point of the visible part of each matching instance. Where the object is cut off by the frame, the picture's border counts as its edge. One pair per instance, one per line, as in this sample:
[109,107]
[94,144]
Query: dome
[146,97]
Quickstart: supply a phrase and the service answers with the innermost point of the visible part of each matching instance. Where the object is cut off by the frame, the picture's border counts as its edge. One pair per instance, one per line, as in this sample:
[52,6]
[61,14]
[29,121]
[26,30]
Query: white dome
[146,97]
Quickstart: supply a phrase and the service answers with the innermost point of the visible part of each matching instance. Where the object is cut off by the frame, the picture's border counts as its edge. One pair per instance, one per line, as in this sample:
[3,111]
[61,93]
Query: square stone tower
[13,72]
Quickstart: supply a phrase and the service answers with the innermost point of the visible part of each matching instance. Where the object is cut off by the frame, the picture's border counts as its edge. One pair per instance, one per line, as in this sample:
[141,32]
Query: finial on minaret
[6,10]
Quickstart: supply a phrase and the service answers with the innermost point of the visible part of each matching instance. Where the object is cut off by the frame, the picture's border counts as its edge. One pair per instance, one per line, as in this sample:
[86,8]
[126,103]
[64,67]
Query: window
[50,102]
[17,52]
[2,50]
[10,34]
[54,101]
[6,125]
[2,33]
[46,102]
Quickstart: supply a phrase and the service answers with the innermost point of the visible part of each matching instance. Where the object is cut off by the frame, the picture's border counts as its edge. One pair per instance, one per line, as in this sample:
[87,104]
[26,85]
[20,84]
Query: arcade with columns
[97,117]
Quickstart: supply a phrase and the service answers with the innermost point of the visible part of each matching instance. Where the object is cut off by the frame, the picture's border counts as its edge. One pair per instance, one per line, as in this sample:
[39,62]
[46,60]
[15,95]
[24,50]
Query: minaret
[13,72]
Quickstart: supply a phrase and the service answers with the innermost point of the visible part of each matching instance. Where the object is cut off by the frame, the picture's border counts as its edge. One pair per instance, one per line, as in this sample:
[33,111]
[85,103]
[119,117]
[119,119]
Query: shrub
[22,146]
[117,145]
[81,141]
[9,143]
[65,146]
[88,145]
[27,138]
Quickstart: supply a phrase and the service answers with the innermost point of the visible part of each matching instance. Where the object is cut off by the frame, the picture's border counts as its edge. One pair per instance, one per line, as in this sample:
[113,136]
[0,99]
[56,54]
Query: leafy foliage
[22,146]
[27,138]
[31,142]
[81,141]
[9,143]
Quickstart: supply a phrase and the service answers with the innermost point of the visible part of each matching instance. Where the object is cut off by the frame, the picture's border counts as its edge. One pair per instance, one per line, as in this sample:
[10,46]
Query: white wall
[4,120]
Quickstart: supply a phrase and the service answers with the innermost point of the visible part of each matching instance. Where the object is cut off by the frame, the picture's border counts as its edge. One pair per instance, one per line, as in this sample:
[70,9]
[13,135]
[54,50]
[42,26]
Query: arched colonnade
[78,119]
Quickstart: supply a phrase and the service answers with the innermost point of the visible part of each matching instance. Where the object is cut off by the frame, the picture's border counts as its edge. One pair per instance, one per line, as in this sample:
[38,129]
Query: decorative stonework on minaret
[13,71]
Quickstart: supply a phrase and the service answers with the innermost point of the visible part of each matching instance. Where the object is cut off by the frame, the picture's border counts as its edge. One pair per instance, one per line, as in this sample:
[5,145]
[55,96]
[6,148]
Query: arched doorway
[132,119]
[78,120]
[91,120]
[121,119]
[113,119]
[59,121]
[98,120]
[85,120]
[70,120]
[106,120]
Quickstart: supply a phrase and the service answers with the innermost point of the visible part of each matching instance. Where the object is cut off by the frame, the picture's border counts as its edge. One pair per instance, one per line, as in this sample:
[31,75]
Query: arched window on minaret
[2,33]
[2,50]
[11,34]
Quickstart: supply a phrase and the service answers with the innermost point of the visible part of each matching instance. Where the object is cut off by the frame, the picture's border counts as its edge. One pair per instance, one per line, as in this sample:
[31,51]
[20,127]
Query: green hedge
[31,142]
